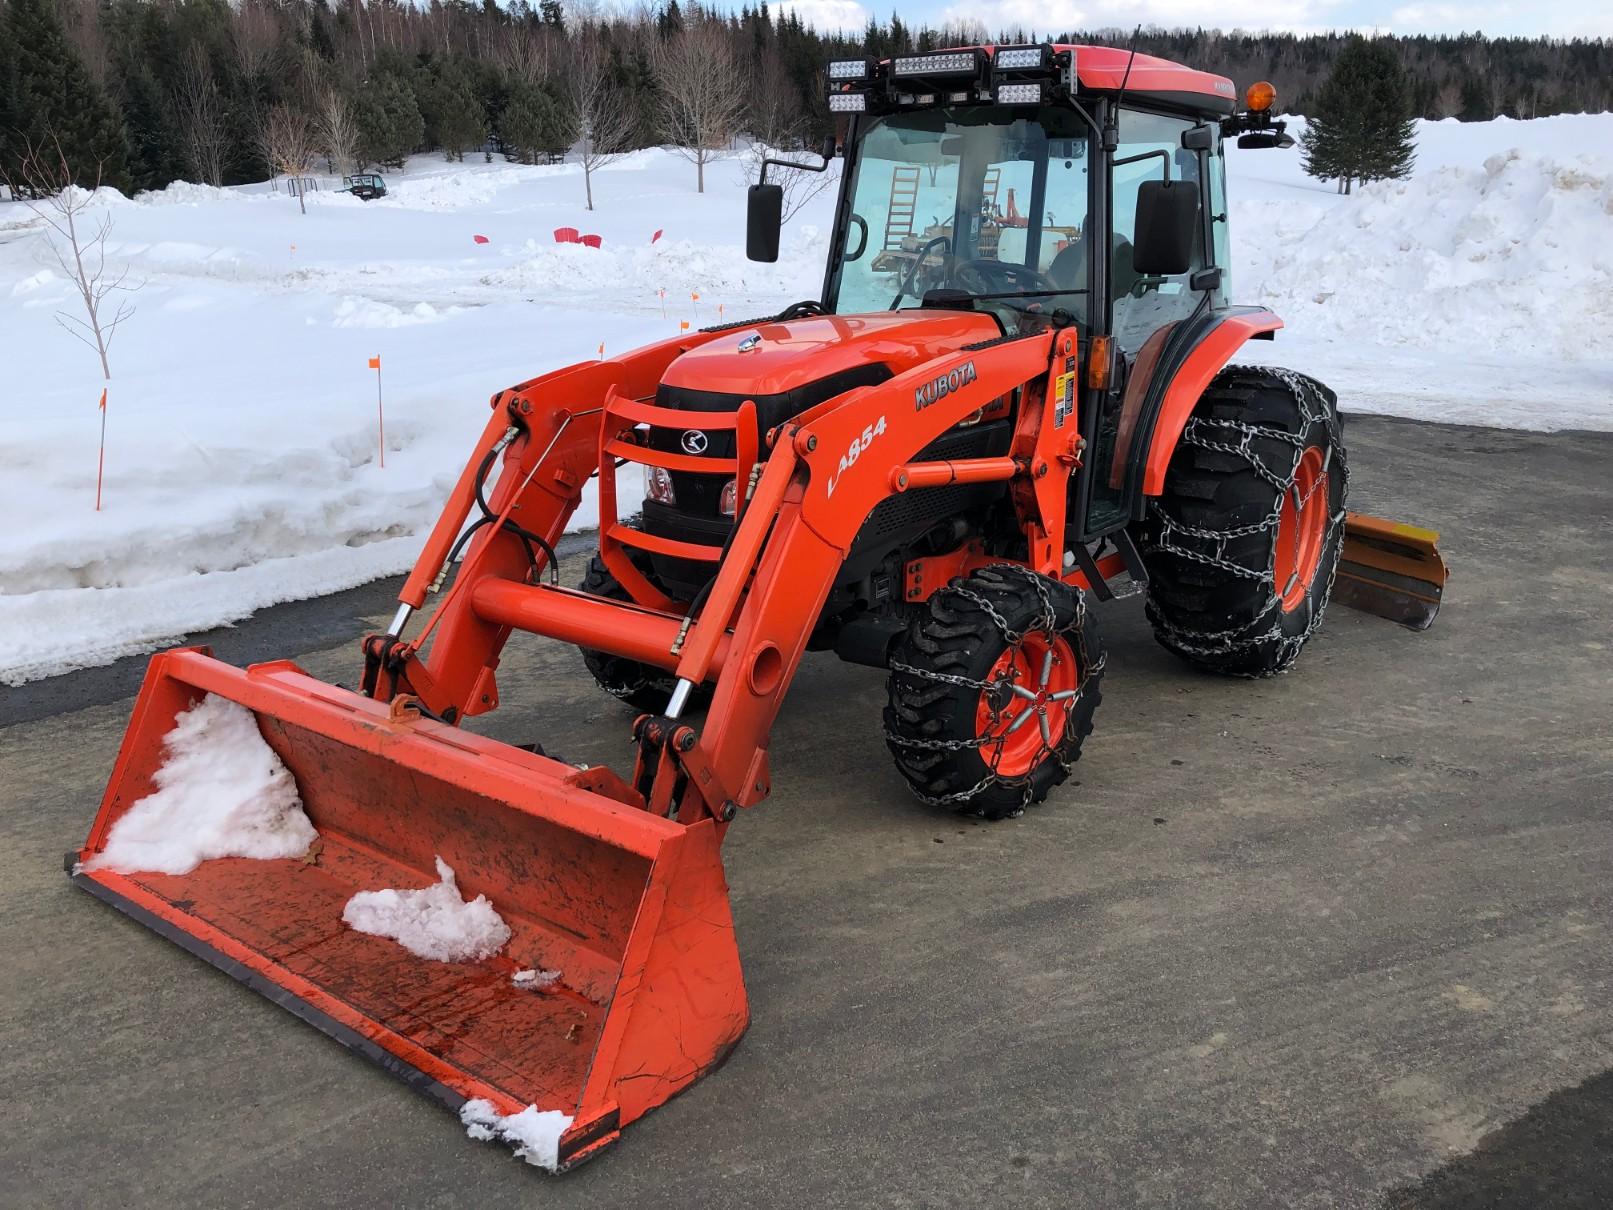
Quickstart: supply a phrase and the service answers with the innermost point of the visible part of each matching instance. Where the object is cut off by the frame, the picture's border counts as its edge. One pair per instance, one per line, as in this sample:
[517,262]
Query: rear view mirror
[764,216]
[1167,222]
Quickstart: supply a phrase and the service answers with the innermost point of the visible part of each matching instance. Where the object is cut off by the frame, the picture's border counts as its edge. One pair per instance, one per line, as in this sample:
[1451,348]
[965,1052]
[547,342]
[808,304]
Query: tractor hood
[781,360]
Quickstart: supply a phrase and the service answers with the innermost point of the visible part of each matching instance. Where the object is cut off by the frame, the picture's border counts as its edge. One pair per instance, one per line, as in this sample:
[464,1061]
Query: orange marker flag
[662,293]
[602,348]
[100,463]
[683,325]
[380,413]
[694,295]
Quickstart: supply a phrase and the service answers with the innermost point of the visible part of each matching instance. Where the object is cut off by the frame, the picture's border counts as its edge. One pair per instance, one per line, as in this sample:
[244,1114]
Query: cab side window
[1143,305]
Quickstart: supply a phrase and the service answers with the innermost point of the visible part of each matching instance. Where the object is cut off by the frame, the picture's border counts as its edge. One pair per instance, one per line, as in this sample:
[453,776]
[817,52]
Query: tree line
[139,93]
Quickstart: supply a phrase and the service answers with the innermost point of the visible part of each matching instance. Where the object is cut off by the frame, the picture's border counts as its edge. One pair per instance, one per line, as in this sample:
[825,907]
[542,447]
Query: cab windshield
[977,201]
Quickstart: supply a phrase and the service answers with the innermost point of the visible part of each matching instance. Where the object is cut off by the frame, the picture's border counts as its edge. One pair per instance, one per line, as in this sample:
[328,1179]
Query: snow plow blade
[630,908]
[1390,569]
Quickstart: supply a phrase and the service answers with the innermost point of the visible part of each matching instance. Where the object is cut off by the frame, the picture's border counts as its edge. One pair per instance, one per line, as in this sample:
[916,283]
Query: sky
[1556,18]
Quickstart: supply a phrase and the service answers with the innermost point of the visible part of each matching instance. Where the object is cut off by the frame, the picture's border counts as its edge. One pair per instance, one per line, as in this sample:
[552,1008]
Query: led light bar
[848,69]
[951,63]
[1020,58]
[848,102]
[1019,94]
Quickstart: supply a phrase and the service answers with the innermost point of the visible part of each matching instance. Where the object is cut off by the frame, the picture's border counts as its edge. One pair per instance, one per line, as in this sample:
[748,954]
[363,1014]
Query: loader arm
[823,474]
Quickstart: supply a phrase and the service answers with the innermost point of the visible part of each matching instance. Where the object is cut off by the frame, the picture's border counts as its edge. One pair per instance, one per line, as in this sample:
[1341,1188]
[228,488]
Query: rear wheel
[642,686]
[1242,545]
[992,691]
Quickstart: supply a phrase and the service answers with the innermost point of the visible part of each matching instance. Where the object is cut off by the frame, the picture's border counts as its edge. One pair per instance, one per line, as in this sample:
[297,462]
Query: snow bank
[534,1133]
[221,792]
[1517,247]
[242,462]
[433,922]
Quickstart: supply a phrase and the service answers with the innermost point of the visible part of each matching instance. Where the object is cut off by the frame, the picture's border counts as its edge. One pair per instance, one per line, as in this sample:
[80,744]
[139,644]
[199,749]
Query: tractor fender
[1181,378]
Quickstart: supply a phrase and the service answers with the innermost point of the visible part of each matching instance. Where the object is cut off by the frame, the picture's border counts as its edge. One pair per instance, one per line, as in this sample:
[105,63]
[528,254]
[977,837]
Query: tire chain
[1312,410]
[1046,622]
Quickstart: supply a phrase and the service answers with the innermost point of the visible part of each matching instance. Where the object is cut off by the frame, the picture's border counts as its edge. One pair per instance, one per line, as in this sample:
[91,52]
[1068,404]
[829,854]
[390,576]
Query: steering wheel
[982,276]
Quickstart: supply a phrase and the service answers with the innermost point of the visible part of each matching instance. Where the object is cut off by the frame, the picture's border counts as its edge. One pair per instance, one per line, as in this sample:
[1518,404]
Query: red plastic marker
[481,239]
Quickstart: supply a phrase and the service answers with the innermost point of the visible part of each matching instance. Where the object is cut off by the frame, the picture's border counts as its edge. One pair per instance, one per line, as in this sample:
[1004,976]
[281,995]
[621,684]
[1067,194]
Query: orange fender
[1188,383]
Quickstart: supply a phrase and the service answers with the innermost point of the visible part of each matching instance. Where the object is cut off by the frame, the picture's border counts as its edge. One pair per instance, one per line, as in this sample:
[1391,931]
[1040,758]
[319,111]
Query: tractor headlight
[849,69]
[726,501]
[848,102]
[660,486]
[951,63]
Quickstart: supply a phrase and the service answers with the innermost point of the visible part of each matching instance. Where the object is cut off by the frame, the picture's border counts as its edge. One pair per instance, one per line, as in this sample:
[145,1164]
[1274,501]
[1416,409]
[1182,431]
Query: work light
[1019,94]
[849,69]
[847,102]
[1020,58]
[949,63]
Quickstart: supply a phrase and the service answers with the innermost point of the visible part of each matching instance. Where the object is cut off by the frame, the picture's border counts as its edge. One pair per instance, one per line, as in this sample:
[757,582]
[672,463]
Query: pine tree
[1360,127]
[534,126]
[389,122]
[454,117]
[52,101]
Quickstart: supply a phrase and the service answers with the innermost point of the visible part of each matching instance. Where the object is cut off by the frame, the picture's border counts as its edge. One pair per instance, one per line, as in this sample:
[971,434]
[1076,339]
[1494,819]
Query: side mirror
[1167,224]
[764,217]
[1262,139]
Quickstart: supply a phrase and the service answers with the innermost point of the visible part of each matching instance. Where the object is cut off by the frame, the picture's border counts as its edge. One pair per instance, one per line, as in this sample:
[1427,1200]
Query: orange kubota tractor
[936,469]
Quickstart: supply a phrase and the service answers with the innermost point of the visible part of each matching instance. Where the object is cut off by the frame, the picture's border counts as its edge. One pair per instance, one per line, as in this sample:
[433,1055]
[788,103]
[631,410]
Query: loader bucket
[630,908]
[1390,569]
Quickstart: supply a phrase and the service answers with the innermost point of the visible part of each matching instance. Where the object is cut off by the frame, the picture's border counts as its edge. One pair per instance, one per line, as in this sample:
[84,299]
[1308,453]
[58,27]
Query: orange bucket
[631,908]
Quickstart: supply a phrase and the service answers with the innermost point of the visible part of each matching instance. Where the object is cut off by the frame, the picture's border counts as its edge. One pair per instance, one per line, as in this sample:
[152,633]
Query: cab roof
[1102,68]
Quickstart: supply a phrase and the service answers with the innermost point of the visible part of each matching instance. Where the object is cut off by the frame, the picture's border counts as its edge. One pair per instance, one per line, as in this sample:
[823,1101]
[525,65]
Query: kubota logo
[953,380]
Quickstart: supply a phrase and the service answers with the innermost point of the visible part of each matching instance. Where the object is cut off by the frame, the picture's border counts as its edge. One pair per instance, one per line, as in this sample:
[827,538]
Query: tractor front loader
[938,469]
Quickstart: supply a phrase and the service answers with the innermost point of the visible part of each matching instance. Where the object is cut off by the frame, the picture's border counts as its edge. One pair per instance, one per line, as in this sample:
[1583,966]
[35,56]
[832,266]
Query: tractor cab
[366,186]
[1047,187]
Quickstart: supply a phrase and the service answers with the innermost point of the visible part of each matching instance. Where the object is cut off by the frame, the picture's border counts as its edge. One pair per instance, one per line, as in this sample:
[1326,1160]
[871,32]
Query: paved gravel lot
[1336,939]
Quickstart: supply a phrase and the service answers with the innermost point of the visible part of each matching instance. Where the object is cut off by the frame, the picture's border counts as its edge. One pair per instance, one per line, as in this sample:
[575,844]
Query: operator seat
[1069,267]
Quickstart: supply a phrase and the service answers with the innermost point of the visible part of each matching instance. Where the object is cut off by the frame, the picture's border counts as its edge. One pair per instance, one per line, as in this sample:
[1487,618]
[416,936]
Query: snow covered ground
[242,458]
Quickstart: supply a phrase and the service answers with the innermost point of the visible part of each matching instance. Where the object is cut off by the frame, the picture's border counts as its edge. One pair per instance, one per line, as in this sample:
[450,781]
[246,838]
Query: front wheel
[992,691]
[1242,545]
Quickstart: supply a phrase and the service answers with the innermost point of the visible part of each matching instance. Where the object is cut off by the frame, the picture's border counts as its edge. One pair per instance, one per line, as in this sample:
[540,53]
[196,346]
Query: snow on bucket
[624,914]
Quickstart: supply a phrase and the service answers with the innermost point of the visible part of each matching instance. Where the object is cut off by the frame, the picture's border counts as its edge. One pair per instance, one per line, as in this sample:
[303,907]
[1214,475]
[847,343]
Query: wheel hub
[1023,710]
[1302,521]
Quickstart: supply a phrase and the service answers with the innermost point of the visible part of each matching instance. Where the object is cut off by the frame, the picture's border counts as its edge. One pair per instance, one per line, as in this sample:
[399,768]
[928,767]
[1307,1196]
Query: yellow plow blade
[1390,569]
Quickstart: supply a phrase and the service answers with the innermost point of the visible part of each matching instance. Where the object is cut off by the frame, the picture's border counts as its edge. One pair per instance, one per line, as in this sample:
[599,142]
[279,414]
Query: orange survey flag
[375,363]
[102,404]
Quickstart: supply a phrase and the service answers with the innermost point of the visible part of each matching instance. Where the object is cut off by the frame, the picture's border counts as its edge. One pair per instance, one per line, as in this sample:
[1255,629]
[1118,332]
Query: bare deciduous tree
[702,91]
[528,54]
[338,131]
[77,242]
[800,185]
[778,124]
[287,143]
[775,107]
[604,120]
[201,117]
